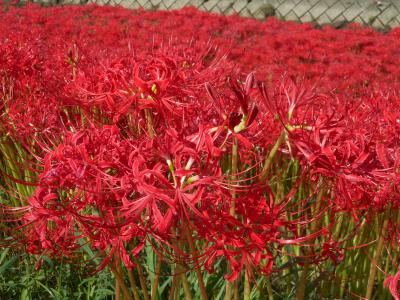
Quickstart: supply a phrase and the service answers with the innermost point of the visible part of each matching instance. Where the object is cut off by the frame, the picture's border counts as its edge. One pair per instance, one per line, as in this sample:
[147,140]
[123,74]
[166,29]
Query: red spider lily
[236,121]
[129,140]
[165,82]
[392,282]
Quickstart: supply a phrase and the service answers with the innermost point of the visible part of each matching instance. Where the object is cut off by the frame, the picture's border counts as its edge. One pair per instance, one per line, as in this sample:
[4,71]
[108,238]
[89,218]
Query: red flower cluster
[136,138]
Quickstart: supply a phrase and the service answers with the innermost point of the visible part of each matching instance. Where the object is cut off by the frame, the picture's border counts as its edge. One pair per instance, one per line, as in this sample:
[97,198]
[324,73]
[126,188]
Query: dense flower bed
[337,59]
[265,145]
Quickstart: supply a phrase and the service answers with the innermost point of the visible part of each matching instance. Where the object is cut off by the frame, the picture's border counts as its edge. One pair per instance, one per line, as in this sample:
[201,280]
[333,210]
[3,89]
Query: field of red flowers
[199,156]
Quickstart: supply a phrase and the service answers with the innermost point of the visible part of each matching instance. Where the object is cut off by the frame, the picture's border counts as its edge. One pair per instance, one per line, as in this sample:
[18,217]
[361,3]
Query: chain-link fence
[376,13]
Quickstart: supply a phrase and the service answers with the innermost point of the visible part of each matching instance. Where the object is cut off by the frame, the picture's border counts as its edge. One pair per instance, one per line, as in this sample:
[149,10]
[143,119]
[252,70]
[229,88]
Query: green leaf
[8,264]
[100,293]
[51,291]
[24,295]
[3,255]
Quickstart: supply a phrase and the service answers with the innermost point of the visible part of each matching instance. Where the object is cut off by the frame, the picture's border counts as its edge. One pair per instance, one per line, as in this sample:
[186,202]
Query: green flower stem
[120,284]
[378,252]
[154,289]
[192,251]
[133,284]
[150,123]
[174,287]
[181,273]
[185,283]
[230,286]
[117,290]
[234,171]
[142,281]
[247,289]
[269,288]
[10,168]
[270,158]
[301,287]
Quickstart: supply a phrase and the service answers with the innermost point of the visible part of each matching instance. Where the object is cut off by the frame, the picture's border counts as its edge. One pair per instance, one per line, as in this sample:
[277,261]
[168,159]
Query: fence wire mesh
[377,13]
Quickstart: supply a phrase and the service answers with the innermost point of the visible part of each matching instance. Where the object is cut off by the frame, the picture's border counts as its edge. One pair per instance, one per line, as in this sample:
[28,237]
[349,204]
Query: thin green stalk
[270,158]
[117,290]
[263,176]
[117,284]
[181,272]
[301,287]
[121,283]
[185,283]
[269,288]
[228,291]
[11,169]
[247,290]
[265,288]
[150,122]
[142,281]
[381,275]
[177,287]
[234,171]
[192,251]
[133,284]
[236,290]
[154,288]
[377,256]
[354,257]
[341,233]
[174,284]
[230,286]
[186,287]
